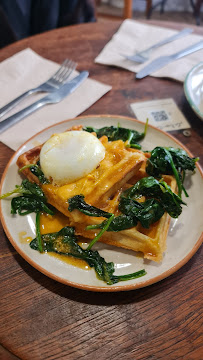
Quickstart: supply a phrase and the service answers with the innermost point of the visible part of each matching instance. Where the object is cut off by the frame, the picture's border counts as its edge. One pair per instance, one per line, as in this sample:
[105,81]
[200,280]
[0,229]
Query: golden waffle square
[151,242]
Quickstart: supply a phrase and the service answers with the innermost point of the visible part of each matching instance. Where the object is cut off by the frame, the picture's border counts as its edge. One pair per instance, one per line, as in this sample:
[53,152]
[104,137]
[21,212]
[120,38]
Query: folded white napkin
[26,70]
[133,36]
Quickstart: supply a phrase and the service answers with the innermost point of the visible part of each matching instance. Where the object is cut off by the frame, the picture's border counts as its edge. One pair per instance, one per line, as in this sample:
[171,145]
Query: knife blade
[51,98]
[164,60]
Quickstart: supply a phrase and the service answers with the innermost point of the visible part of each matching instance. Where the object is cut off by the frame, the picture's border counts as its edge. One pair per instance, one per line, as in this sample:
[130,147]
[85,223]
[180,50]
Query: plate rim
[92,288]
[186,91]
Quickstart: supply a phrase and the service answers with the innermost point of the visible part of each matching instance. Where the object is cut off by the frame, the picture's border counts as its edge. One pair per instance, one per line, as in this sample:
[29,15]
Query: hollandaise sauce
[23,238]
[54,223]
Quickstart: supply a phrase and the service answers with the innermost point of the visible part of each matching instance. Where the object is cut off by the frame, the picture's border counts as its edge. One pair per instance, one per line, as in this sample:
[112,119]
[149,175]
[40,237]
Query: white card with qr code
[163,114]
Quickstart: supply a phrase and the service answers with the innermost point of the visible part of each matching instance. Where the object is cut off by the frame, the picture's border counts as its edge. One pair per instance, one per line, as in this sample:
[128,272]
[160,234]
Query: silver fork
[52,84]
[52,98]
[142,56]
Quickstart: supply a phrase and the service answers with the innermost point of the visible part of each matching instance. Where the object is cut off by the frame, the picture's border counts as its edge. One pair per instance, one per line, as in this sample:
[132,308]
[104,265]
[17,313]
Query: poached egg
[69,156]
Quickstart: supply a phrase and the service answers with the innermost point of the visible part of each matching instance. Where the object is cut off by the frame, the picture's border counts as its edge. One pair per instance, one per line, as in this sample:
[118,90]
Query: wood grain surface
[42,319]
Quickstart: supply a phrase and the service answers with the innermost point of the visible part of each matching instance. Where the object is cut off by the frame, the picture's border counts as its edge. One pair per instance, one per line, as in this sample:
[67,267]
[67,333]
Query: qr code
[159,115]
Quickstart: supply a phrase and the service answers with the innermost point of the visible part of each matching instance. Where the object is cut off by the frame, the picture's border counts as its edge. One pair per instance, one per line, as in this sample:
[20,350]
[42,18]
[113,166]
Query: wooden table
[43,319]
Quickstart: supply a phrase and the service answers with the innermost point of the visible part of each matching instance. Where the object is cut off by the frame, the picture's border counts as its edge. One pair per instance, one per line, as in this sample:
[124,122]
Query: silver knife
[52,98]
[164,60]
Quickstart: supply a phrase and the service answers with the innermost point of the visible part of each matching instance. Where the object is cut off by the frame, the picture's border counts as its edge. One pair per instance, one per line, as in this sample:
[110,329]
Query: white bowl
[193,88]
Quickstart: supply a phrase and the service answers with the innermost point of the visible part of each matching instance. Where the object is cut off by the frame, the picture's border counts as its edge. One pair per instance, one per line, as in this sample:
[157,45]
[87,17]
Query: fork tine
[68,74]
[63,70]
[65,73]
[59,70]
[63,67]
[71,68]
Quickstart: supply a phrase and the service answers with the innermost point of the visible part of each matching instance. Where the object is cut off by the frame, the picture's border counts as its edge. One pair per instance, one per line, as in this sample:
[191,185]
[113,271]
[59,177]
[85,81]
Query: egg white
[71,155]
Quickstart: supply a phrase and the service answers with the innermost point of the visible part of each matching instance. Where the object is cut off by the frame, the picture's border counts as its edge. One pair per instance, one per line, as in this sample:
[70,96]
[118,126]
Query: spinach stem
[101,232]
[90,227]
[130,136]
[26,167]
[133,146]
[146,127]
[131,276]
[184,190]
[38,234]
[177,177]
[16,190]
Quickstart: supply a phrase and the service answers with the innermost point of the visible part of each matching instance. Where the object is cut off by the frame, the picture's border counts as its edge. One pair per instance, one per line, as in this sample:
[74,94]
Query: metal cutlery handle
[12,120]
[16,101]
[188,50]
[184,32]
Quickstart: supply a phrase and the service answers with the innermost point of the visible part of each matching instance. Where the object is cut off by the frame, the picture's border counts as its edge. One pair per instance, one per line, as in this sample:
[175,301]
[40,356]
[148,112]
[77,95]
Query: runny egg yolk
[71,155]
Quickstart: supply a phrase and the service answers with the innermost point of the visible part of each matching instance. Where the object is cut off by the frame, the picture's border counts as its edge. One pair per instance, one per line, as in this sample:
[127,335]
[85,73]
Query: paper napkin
[26,70]
[133,36]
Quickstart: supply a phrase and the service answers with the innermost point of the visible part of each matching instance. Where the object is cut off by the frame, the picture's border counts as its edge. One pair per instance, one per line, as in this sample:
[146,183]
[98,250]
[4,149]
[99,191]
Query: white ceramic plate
[183,240]
[193,88]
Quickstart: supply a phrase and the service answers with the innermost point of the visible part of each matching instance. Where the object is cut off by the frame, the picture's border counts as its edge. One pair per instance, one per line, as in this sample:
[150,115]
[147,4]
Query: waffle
[118,166]
[150,242]
[121,168]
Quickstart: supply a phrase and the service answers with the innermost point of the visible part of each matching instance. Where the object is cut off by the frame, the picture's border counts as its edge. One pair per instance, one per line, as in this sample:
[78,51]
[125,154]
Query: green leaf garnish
[37,171]
[131,137]
[168,160]
[64,242]
[31,199]
[151,187]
